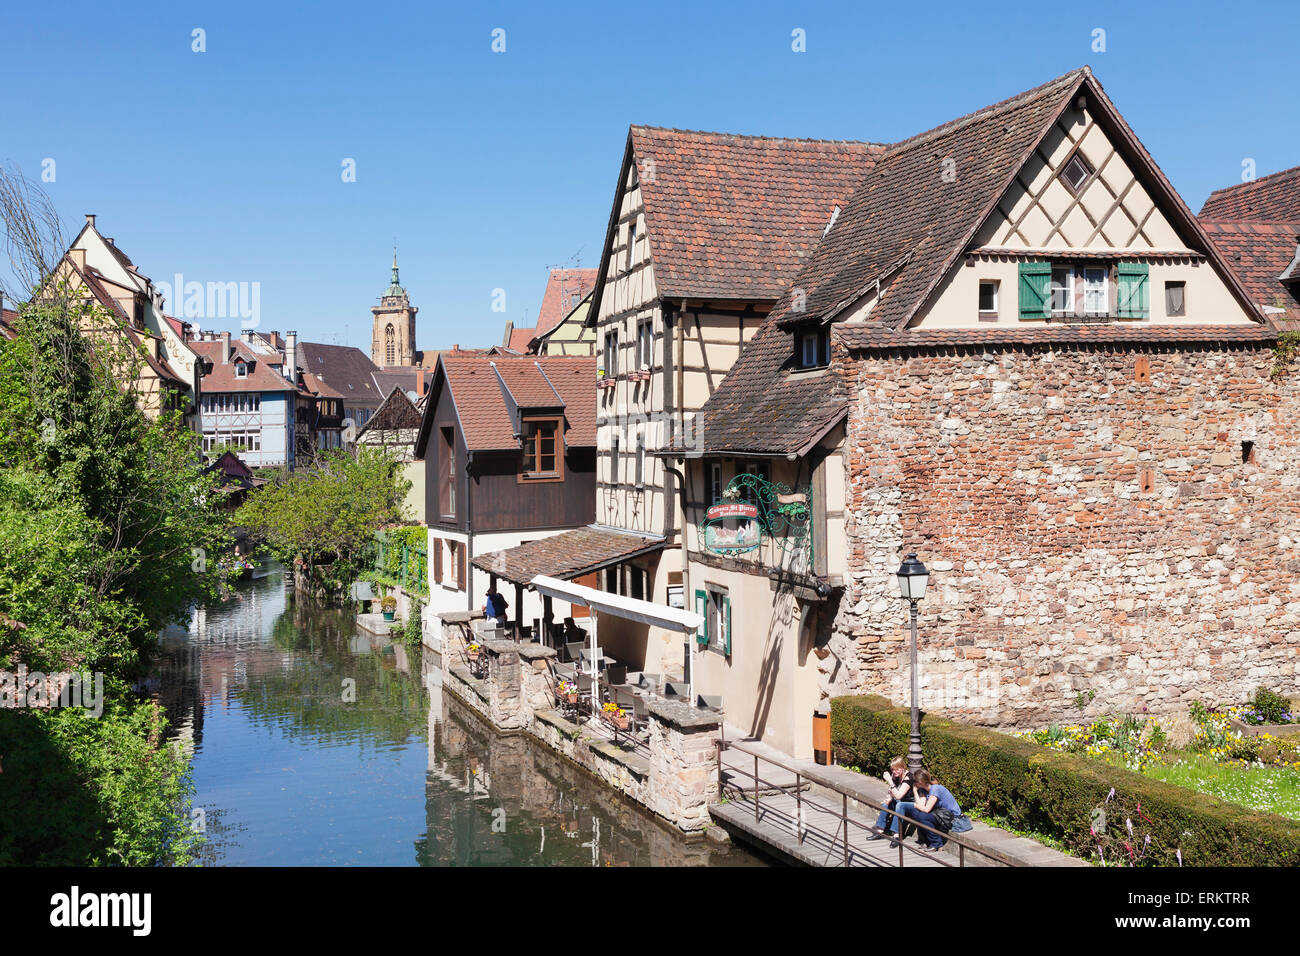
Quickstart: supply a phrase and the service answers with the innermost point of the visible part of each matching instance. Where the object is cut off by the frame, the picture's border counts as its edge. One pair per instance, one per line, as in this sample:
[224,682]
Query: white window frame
[818,343]
[645,344]
[1105,290]
[716,618]
[997,287]
[1069,290]
[715,483]
[611,353]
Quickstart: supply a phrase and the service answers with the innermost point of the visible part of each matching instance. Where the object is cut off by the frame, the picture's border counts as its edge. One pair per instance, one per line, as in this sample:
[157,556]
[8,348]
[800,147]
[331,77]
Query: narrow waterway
[317,744]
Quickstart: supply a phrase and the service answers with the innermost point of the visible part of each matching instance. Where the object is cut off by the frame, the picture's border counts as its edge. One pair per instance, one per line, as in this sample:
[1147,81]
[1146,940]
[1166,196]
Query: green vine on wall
[1288,343]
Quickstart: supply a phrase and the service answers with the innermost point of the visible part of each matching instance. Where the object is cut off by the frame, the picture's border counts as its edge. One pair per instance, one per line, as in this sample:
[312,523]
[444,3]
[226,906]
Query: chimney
[276,343]
[419,382]
[90,220]
[225,348]
[291,356]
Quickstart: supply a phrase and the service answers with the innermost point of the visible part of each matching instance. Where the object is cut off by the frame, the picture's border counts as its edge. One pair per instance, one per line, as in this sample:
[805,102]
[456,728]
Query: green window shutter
[702,609]
[728,626]
[1133,290]
[1035,290]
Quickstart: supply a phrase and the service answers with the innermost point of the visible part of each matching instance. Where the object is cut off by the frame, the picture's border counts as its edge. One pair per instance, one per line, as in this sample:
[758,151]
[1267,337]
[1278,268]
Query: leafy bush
[1057,793]
[1272,708]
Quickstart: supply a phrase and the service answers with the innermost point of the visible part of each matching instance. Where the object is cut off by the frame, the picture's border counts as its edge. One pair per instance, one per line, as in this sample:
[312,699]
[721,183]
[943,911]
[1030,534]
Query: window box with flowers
[616,715]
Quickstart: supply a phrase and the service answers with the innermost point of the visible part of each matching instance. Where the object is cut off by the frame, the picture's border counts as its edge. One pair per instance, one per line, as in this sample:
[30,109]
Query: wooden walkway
[809,828]
[775,831]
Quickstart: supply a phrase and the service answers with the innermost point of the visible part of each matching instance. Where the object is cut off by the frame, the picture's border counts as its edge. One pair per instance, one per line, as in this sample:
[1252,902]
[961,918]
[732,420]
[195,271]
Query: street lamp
[912,579]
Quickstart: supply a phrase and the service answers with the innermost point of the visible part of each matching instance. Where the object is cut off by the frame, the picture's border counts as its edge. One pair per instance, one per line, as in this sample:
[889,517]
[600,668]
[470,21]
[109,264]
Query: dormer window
[1075,173]
[813,348]
[543,449]
[241,369]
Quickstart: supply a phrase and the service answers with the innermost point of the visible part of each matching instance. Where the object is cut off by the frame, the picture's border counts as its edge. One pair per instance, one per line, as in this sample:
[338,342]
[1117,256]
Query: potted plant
[389,606]
[473,650]
[568,691]
[616,715]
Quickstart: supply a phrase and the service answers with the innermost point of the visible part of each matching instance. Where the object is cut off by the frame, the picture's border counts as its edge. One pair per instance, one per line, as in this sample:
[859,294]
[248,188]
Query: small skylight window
[1076,173]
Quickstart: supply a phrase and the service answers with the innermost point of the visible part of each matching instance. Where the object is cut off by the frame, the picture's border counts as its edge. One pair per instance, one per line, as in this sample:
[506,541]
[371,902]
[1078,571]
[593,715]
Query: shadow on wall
[774,643]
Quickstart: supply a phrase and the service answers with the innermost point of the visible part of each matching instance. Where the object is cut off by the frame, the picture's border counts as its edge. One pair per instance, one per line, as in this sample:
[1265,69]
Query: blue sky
[489,167]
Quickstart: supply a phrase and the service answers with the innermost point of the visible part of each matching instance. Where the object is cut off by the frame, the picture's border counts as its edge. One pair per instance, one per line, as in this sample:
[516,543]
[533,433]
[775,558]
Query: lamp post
[912,579]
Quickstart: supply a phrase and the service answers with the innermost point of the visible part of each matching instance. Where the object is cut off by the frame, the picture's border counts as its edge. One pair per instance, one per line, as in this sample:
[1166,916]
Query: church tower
[394,332]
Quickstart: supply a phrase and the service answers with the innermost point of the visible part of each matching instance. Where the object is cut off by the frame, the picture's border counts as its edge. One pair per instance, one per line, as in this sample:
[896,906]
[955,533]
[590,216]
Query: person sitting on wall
[495,605]
[936,807]
[572,633]
[899,782]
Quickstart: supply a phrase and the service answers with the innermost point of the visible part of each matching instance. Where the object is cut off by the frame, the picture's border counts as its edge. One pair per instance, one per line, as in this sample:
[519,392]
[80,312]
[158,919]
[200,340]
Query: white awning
[647,612]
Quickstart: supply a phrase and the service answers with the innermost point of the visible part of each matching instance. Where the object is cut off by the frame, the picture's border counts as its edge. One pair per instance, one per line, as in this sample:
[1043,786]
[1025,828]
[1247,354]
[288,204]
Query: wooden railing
[841,837]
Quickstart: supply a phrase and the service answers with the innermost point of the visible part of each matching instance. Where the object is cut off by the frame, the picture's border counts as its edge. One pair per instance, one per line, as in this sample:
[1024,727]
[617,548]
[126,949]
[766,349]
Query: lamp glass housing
[912,579]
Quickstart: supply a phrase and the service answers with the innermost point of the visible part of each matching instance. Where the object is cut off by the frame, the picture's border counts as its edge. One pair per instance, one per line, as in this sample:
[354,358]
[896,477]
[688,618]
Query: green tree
[107,532]
[327,516]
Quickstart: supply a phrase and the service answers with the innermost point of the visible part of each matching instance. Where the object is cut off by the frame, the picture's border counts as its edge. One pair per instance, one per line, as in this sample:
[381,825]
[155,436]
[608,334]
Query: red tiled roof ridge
[641,127]
[1268,227]
[919,139]
[1257,181]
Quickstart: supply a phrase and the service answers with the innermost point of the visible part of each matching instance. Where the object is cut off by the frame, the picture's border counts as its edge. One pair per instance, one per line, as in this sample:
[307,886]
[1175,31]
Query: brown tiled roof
[519,339]
[565,288]
[396,412]
[534,381]
[734,217]
[567,555]
[902,225]
[905,212]
[339,371]
[1272,198]
[261,377]
[1262,253]
[407,379]
[904,228]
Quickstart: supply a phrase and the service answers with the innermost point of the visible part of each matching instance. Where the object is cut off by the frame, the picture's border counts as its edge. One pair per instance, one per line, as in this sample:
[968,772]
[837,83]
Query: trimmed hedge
[1051,792]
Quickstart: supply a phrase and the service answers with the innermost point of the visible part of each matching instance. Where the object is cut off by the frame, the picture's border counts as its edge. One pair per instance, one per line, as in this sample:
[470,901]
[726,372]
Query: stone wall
[1120,520]
[674,776]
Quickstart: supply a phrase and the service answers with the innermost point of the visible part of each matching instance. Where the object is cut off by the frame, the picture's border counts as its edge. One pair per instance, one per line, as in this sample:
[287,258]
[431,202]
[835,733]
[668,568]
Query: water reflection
[317,744]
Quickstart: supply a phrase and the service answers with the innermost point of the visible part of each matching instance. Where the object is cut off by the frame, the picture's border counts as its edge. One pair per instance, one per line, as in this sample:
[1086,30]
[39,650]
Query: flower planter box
[1255,730]
[622,723]
[388,615]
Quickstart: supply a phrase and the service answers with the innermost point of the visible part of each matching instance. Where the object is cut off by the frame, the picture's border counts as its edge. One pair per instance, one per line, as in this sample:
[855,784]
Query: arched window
[390,346]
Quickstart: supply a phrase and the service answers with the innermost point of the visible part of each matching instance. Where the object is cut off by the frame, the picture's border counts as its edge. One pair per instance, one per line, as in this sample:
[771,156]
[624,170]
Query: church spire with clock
[393,343]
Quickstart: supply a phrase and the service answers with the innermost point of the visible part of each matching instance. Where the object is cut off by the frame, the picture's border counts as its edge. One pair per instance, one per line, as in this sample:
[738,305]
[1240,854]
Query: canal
[315,744]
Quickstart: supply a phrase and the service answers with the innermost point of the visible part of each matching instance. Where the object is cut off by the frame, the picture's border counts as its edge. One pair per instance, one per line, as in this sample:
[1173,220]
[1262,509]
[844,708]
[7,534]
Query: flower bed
[1124,741]
[1086,802]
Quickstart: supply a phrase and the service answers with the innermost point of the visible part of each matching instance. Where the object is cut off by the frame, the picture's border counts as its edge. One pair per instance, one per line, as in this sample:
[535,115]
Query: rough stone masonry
[1117,519]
